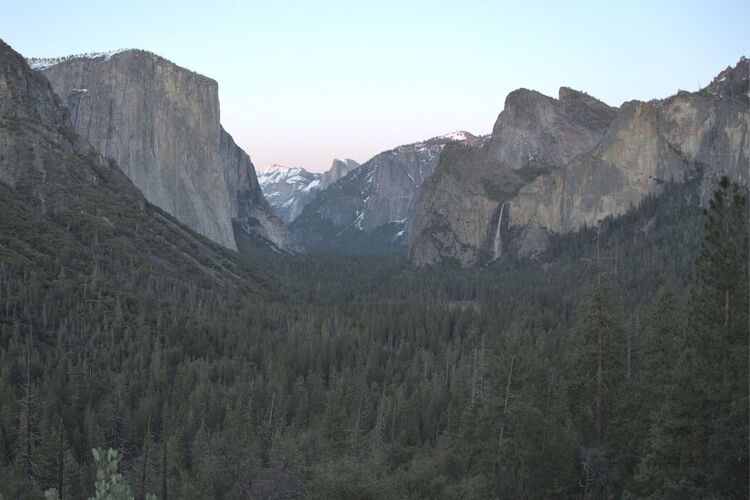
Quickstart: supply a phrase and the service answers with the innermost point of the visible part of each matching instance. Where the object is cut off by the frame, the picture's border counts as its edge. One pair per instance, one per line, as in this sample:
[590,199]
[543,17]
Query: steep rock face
[702,133]
[160,123]
[485,201]
[32,126]
[61,198]
[462,203]
[289,189]
[253,220]
[372,208]
[339,169]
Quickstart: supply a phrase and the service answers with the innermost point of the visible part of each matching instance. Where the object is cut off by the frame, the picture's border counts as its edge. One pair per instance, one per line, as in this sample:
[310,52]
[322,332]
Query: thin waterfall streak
[498,243]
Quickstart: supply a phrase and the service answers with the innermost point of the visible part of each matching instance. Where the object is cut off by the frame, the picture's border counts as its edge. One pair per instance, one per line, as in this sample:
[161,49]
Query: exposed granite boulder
[160,123]
[372,208]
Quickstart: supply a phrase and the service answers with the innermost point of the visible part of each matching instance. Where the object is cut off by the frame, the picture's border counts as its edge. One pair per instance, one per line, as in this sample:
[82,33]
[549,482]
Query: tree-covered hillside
[614,365]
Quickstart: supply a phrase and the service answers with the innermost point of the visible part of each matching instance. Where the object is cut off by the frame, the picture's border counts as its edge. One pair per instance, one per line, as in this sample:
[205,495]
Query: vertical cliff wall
[554,165]
[687,135]
[161,124]
[534,136]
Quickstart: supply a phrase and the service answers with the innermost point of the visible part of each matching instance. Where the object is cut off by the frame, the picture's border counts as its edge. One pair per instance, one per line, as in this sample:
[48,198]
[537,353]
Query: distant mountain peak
[289,189]
[282,169]
[345,162]
[458,135]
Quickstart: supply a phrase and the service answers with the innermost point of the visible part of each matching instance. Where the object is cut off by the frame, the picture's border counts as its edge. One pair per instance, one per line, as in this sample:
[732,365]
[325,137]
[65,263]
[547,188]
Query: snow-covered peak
[280,168]
[288,189]
[40,63]
[459,135]
[276,174]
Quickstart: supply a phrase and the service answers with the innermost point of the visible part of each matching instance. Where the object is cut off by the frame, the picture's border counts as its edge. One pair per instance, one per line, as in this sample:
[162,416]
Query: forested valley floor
[613,365]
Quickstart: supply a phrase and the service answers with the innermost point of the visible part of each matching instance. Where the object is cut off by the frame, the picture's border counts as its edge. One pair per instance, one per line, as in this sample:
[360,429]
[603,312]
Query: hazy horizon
[301,84]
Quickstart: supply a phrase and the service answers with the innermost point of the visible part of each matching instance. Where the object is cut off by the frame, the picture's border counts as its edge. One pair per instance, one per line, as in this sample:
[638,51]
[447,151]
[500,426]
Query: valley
[556,309]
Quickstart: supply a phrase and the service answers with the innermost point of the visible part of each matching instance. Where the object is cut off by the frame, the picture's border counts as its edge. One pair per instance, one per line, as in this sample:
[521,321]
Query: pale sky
[303,82]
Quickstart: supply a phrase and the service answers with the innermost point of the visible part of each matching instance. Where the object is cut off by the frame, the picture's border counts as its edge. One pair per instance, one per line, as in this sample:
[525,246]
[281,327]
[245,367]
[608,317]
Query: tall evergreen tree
[597,380]
[698,447]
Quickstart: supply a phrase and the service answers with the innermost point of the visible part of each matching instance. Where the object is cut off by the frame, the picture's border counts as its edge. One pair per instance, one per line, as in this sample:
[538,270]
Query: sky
[303,82]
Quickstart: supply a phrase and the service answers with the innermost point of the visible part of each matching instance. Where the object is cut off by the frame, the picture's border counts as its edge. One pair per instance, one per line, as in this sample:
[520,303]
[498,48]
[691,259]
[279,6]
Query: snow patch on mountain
[39,63]
[459,135]
[289,189]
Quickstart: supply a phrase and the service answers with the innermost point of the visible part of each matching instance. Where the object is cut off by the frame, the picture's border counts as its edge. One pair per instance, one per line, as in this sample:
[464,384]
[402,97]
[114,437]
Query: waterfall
[498,242]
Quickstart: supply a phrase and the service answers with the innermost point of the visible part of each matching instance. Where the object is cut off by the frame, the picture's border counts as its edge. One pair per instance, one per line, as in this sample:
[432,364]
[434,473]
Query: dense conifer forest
[614,365]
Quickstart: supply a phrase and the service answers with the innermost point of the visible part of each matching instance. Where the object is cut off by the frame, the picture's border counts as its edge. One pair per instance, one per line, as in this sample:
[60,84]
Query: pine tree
[698,444]
[597,358]
[598,376]
[653,376]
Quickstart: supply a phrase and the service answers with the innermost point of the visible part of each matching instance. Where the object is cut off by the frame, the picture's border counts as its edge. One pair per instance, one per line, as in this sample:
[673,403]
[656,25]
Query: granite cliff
[556,165]
[161,124]
[339,168]
[62,202]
